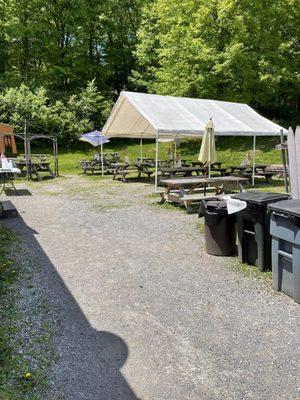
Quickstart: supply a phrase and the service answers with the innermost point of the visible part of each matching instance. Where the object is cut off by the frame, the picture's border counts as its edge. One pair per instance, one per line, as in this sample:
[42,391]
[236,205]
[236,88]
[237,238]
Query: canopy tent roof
[143,115]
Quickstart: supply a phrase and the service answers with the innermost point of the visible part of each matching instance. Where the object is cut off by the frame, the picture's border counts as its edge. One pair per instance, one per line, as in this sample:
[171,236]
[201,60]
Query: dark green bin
[253,228]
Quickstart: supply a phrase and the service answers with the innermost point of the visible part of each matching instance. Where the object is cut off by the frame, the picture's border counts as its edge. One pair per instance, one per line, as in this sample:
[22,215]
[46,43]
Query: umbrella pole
[253,161]
[102,167]
[156,163]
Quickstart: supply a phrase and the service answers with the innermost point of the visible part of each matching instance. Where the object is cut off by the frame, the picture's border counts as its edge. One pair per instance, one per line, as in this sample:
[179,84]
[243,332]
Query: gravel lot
[141,311]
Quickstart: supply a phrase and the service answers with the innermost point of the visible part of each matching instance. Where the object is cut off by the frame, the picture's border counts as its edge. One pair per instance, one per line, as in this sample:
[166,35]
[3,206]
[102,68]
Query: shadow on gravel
[89,362]
[18,192]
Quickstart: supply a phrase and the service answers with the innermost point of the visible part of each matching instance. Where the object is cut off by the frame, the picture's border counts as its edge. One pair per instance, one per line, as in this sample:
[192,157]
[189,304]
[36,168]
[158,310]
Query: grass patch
[167,206]
[251,271]
[26,350]
[200,226]
[231,151]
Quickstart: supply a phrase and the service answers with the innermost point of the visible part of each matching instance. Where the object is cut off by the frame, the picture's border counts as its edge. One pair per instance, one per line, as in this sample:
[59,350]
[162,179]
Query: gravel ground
[141,311]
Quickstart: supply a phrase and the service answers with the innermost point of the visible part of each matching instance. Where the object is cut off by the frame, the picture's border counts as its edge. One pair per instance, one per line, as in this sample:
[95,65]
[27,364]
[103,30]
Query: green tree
[225,49]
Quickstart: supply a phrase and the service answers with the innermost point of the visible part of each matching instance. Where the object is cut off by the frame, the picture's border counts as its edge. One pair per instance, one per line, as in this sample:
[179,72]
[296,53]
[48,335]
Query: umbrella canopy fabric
[208,152]
[95,138]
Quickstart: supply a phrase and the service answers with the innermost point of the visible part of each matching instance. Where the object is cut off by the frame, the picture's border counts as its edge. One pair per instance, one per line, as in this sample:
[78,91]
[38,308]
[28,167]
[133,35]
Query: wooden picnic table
[185,171]
[35,166]
[123,169]
[187,191]
[247,171]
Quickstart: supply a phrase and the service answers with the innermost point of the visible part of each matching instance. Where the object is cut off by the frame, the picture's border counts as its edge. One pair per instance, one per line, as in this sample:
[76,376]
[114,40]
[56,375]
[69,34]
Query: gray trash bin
[285,231]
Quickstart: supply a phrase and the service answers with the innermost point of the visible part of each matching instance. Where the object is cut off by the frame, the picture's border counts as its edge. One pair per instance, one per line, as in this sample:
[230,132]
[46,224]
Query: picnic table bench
[123,169]
[187,191]
[247,171]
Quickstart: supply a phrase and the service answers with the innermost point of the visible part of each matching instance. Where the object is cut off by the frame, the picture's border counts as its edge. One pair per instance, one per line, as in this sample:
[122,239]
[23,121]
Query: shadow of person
[89,362]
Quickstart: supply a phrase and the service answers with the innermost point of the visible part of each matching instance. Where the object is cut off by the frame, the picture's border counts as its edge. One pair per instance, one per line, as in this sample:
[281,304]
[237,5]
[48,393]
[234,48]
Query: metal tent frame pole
[102,163]
[141,148]
[55,152]
[156,163]
[253,160]
[175,152]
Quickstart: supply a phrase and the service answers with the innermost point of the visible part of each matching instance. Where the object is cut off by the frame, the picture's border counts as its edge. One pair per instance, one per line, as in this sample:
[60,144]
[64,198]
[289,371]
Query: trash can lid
[291,207]
[262,198]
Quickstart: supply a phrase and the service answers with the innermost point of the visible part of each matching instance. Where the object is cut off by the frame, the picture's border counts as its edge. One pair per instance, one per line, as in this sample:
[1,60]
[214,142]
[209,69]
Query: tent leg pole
[57,166]
[175,153]
[141,149]
[102,166]
[253,164]
[156,164]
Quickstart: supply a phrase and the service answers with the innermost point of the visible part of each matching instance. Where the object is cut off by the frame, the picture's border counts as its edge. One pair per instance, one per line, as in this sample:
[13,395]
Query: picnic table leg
[33,170]
[163,199]
[123,173]
[50,171]
[241,187]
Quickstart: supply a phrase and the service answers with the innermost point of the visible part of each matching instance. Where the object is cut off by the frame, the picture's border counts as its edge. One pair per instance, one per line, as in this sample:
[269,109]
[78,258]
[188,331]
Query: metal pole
[26,148]
[209,152]
[253,160]
[175,152]
[54,154]
[283,157]
[156,163]
[102,165]
[57,164]
[141,149]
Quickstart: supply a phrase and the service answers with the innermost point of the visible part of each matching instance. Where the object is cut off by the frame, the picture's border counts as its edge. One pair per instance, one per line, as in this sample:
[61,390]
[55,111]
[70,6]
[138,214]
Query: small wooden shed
[7,140]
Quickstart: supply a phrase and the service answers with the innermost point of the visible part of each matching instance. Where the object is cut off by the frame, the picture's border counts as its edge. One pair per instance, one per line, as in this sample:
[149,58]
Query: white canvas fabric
[138,115]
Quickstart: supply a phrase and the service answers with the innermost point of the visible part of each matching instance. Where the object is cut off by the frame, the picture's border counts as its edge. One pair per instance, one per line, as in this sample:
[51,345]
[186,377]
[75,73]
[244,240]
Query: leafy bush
[66,119]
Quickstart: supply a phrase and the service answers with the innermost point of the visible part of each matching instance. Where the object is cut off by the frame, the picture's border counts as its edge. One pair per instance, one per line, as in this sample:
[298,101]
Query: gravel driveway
[142,312]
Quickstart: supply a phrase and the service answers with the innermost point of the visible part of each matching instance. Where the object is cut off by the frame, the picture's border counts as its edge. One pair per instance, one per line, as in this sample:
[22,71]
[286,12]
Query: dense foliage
[67,118]
[236,50]
[62,44]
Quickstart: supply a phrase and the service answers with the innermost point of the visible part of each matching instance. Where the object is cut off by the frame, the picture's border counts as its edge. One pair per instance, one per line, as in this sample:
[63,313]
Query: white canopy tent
[140,115]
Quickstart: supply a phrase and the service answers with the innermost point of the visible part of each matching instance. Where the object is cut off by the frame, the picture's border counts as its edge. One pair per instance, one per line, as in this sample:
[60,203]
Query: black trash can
[219,228]
[253,228]
[285,232]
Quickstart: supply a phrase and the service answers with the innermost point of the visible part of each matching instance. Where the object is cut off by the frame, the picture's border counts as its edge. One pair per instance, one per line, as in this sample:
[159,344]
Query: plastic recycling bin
[285,232]
[219,228]
[253,228]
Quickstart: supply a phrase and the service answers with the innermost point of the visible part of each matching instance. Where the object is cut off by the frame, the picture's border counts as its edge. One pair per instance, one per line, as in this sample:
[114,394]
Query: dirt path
[142,312]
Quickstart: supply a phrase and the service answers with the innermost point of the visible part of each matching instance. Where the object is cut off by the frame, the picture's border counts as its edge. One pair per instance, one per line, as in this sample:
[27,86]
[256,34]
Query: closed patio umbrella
[208,152]
[95,138]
